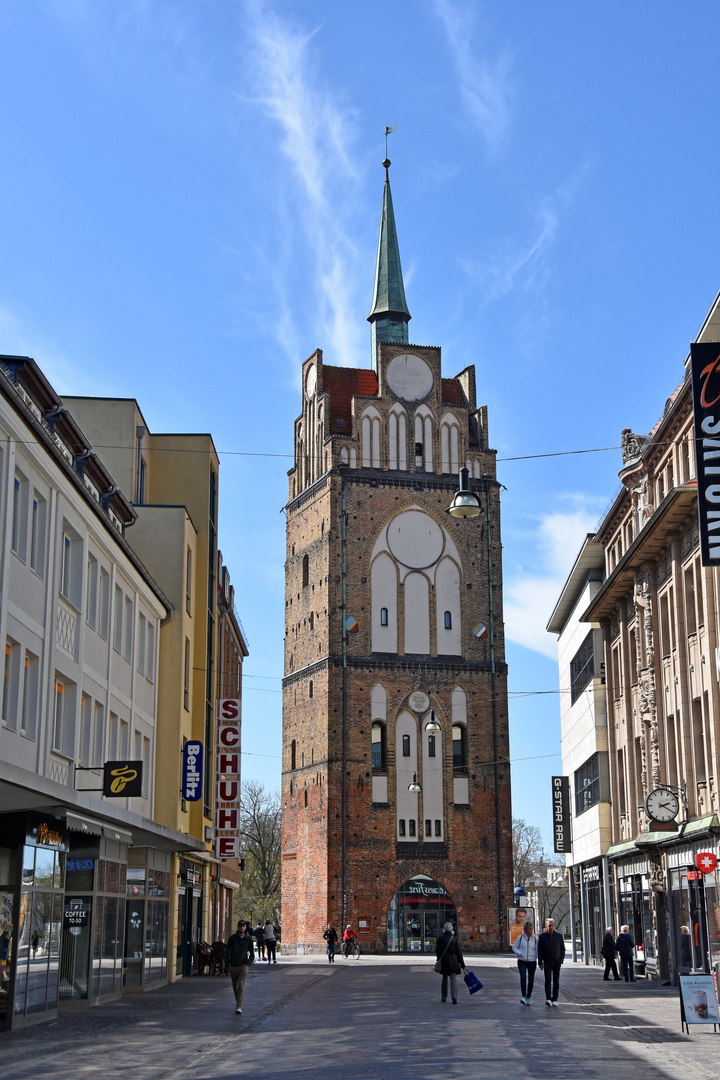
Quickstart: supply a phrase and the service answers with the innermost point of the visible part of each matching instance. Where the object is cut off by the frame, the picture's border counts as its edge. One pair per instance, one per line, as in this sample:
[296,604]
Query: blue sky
[189,205]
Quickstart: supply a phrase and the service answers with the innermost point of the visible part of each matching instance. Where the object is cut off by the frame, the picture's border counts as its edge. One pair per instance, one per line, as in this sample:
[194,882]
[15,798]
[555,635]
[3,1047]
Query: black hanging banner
[122,779]
[561,814]
[705,368]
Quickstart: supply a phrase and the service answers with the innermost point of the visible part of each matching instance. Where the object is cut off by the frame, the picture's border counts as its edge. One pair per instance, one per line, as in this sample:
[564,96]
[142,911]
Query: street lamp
[414,786]
[465,504]
[432,726]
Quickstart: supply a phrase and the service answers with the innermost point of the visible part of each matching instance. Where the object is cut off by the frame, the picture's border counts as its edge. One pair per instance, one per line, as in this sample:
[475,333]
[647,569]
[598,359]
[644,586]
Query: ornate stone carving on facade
[690,540]
[647,705]
[632,445]
[643,501]
[662,571]
[643,602]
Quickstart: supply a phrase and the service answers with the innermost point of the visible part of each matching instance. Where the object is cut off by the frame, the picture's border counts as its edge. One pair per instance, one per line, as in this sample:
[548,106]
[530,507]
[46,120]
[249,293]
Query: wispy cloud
[484,85]
[531,592]
[523,265]
[316,131]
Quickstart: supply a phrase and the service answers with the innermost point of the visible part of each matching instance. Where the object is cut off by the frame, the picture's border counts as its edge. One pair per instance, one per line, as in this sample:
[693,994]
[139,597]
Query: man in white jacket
[525,948]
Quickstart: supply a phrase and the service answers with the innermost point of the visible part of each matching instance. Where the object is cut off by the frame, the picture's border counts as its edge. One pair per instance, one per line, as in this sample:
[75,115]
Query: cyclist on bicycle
[348,936]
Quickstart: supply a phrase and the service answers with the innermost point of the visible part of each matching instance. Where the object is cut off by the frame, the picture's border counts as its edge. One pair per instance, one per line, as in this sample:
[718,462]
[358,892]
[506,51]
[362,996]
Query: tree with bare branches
[259,894]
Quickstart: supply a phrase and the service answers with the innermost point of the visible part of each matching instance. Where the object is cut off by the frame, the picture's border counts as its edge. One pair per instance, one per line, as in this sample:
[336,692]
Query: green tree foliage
[259,894]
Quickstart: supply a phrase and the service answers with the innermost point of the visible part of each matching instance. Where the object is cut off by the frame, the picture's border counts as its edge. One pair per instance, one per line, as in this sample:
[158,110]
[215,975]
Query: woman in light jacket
[525,948]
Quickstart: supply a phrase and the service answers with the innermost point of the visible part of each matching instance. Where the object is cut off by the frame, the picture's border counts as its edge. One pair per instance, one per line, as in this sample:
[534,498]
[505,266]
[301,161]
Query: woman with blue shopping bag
[449,962]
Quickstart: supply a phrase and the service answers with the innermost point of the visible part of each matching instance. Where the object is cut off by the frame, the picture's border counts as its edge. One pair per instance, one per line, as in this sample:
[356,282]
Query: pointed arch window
[378,746]
[459,743]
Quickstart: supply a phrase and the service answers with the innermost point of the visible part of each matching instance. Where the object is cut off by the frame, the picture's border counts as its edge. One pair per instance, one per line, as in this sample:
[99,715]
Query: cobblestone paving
[377,1019]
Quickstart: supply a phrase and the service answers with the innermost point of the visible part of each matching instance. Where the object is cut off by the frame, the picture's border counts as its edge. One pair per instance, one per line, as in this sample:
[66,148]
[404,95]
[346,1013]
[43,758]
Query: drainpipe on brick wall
[343,834]
[498,845]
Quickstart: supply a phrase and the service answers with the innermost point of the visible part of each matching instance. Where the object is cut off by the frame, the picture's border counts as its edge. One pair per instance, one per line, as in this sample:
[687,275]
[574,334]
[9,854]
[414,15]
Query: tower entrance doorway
[416,915]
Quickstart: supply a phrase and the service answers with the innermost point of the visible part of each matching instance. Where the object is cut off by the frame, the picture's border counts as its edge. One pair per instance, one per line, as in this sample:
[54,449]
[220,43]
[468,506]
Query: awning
[80,823]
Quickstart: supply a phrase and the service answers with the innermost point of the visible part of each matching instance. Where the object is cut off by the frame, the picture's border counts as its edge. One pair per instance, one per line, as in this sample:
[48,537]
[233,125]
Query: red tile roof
[342,383]
[452,392]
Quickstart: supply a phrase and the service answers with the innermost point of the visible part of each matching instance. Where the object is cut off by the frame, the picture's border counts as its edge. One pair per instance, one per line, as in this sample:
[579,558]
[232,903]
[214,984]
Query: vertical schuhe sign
[705,368]
[227,779]
[561,814]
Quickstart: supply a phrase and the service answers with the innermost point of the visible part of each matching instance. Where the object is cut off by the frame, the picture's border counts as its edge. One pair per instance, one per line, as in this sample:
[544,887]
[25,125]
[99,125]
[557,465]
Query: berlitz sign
[192,770]
[705,368]
[561,814]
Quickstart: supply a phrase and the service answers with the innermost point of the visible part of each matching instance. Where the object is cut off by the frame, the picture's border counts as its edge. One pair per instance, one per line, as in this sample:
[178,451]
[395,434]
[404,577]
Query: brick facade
[389,462]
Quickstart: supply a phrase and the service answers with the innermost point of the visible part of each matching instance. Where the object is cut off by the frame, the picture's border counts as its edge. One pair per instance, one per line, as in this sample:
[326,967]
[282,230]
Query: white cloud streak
[531,594]
[316,131]
[484,86]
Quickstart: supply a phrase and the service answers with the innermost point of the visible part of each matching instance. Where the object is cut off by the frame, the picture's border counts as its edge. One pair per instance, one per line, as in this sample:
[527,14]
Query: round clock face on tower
[409,377]
[662,805]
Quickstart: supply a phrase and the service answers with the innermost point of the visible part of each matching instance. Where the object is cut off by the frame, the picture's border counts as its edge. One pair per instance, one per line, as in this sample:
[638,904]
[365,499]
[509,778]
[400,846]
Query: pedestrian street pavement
[378,1018]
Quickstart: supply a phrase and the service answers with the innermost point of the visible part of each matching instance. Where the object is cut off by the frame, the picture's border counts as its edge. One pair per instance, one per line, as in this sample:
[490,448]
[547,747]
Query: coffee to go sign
[227,779]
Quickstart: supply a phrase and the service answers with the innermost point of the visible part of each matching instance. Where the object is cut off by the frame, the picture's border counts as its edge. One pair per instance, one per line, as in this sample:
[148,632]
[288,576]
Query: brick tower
[396,784]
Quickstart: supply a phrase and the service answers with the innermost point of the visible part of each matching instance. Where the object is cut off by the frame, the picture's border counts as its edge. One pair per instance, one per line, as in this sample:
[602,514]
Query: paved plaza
[372,1019]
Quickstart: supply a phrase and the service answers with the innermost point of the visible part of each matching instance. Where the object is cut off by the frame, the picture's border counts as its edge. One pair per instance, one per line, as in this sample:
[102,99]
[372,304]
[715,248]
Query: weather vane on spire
[386,162]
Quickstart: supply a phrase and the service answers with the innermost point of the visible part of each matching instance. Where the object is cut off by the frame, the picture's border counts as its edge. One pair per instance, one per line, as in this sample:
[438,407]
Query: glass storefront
[416,916]
[635,909]
[695,919]
[40,923]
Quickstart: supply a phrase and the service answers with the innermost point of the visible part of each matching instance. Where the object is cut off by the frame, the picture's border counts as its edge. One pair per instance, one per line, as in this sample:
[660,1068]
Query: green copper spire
[389,316]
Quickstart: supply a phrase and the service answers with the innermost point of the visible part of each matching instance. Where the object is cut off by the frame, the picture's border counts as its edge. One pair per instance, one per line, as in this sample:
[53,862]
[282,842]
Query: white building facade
[584,734]
[84,879]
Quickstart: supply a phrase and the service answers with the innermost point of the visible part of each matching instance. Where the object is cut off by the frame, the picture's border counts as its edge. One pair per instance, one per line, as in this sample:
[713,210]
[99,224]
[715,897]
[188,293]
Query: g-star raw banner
[561,814]
[705,368]
[227,779]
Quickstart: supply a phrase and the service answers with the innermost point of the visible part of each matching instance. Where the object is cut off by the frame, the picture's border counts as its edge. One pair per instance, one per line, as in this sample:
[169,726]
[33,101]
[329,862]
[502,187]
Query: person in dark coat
[550,954]
[259,936]
[609,952]
[239,955]
[451,960]
[330,935]
[626,947]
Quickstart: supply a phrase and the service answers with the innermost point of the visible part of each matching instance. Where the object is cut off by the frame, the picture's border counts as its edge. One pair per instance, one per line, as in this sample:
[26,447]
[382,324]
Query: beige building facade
[658,610]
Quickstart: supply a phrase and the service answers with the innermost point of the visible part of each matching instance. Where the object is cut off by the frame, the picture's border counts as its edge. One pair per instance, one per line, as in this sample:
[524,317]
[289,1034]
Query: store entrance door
[419,930]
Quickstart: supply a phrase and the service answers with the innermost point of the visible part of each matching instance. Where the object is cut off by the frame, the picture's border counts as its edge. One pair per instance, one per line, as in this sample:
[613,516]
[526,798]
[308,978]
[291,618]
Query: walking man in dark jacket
[239,955]
[550,954]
